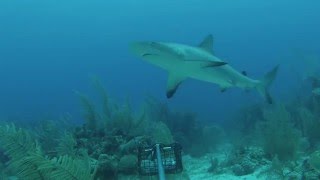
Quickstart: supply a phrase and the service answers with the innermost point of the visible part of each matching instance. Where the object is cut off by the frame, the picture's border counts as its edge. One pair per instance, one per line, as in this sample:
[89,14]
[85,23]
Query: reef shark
[198,62]
[316,91]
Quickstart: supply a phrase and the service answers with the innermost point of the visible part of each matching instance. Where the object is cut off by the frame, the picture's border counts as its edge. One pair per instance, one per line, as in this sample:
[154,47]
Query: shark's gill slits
[161,47]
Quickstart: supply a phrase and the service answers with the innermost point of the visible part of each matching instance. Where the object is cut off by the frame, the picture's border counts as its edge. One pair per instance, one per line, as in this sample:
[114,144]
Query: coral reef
[27,160]
[244,161]
[279,141]
[278,135]
[195,137]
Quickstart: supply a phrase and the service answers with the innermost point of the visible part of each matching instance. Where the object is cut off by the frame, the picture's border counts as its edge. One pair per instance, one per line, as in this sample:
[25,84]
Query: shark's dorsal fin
[174,80]
[207,44]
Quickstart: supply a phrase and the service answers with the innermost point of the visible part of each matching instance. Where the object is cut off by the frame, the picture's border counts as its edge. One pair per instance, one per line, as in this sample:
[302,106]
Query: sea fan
[63,167]
[17,143]
[28,162]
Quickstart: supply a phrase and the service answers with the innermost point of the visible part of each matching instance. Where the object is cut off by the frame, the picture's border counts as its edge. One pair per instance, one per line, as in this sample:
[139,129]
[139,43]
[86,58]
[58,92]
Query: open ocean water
[53,51]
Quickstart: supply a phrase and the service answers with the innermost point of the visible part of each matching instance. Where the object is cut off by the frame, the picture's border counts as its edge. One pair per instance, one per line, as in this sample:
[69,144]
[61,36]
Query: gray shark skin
[316,91]
[198,62]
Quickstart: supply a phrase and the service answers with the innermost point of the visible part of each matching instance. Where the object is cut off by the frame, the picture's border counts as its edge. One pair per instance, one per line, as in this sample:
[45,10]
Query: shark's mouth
[148,54]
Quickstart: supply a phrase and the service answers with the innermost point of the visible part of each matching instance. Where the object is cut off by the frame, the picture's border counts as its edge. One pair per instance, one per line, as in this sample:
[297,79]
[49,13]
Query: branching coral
[111,117]
[106,109]
[195,138]
[161,133]
[314,160]
[90,114]
[278,135]
[47,133]
[310,125]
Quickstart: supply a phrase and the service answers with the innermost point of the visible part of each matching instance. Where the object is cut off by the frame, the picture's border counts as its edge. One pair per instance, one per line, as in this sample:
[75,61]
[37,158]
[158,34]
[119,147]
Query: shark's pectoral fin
[174,80]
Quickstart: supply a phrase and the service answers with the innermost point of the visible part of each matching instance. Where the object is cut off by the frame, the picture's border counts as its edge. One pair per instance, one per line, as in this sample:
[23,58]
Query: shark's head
[150,50]
[173,55]
[143,49]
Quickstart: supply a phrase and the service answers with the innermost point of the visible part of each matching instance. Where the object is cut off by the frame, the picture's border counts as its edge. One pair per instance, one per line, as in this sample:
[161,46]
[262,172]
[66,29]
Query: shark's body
[316,91]
[197,62]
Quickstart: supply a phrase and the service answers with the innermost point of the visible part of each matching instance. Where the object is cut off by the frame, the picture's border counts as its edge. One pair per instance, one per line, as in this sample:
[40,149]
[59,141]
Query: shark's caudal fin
[266,82]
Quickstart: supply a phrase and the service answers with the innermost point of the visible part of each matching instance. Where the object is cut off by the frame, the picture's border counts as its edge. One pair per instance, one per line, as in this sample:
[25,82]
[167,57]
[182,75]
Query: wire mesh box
[170,155]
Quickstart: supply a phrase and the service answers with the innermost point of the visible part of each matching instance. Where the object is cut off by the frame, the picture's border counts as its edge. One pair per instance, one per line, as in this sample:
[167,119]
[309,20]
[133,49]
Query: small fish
[316,91]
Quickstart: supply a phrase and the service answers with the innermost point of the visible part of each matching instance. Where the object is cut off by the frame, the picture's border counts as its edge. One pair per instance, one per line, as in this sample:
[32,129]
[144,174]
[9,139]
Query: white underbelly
[224,76]
[217,76]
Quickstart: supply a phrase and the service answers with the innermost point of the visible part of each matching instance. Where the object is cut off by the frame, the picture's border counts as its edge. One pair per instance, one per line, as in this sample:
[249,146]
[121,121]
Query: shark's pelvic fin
[244,73]
[174,80]
[223,89]
[207,44]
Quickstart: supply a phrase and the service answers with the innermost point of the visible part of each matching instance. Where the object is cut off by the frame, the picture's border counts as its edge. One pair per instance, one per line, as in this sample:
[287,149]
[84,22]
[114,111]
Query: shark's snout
[144,48]
[137,48]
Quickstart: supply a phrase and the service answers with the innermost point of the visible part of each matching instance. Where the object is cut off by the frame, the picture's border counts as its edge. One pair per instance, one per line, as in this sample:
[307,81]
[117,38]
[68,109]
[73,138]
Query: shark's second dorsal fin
[207,44]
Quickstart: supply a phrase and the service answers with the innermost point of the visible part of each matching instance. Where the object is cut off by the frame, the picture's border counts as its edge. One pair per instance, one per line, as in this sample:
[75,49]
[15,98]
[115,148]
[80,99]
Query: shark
[316,91]
[199,62]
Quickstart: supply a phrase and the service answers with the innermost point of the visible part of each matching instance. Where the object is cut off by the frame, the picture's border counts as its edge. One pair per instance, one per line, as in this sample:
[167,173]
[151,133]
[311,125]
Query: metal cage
[170,156]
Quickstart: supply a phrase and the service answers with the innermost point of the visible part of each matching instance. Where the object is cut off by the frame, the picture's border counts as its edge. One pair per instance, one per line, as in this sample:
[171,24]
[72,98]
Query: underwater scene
[171,89]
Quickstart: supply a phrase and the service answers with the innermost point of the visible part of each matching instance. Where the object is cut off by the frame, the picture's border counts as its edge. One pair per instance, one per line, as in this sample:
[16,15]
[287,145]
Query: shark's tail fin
[265,83]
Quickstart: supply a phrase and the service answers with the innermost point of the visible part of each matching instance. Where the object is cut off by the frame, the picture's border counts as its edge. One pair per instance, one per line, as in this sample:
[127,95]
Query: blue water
[50,48]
